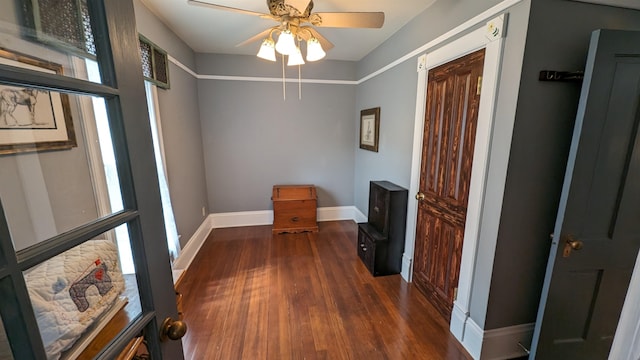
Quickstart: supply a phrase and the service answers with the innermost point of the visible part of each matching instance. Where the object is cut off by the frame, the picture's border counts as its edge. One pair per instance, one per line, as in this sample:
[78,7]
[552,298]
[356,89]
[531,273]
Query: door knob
[420,196]
[574,243]
[172,329]
[571,243]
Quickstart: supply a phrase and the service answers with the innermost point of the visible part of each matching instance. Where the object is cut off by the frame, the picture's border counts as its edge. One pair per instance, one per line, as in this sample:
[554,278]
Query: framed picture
[33,119]
[369,128]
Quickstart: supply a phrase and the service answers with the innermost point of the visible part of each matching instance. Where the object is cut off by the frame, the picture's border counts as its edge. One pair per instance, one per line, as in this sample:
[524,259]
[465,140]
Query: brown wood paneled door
[453,99]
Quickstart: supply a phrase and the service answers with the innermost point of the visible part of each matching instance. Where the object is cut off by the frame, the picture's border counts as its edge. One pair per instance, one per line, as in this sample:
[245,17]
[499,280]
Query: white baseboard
[265,217]
[358,216]
[190,250]
[458,321]
[502,343]
[406,273]
[472,340]
[340,213]
[494,344]
[244,218]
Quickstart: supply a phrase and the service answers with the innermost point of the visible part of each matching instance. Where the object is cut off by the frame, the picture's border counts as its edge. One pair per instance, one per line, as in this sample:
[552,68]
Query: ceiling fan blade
[257,37]
[228,8]
[373,20]
[300,5]
[326,44]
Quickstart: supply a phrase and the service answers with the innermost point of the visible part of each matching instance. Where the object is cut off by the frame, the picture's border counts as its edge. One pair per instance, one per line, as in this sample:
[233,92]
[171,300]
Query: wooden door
[453,99]
[48,304]
[597,229]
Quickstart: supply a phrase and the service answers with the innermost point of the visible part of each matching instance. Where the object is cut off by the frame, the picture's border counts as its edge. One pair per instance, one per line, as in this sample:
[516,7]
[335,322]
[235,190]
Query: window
[63,24]
[155,65]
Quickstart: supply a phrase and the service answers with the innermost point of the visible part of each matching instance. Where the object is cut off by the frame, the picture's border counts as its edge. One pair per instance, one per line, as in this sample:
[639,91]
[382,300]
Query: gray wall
[179,113]
[253,139]
[395,92]
[541,139]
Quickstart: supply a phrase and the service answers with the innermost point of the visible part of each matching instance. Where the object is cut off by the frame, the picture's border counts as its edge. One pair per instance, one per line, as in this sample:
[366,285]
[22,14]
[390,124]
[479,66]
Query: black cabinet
[381,239]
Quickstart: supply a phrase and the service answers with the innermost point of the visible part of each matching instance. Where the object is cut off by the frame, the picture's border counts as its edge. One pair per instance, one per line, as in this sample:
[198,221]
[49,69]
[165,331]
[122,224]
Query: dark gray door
[597,232]
[50,209]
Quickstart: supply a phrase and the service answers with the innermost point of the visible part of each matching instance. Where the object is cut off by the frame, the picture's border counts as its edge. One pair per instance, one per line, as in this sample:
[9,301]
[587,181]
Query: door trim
[493,57]
[626,342]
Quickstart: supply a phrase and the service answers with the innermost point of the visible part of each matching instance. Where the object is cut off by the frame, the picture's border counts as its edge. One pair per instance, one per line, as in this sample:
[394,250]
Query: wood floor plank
[253,295]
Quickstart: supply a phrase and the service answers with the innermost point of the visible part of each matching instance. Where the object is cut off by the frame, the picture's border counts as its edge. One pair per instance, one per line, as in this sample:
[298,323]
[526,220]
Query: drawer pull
[361,245]
[364,249]
[295,219]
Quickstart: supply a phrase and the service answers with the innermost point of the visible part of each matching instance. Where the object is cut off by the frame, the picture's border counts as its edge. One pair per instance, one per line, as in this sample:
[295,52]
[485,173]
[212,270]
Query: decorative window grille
[155,64]
[60,23]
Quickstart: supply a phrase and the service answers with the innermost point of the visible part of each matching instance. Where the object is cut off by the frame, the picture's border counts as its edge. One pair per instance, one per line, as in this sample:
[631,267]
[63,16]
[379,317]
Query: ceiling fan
[296,22]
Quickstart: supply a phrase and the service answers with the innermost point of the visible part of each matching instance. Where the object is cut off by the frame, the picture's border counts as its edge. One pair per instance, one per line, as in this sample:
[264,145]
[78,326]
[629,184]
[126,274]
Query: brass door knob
[420,196]
[574,243]
[570,244]
[172,329]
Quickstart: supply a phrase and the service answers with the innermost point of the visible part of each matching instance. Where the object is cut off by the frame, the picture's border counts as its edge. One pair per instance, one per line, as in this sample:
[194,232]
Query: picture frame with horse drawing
[33,119]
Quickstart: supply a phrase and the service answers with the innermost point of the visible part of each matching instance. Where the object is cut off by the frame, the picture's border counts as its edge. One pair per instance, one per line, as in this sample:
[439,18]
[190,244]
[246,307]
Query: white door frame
[469,43]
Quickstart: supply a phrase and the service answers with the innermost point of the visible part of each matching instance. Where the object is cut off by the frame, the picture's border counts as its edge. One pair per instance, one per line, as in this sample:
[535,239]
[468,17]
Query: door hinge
[455,293]
[479,87]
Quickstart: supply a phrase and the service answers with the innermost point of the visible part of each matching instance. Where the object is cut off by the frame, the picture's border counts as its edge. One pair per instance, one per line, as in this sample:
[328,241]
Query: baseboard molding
[244,218]
[406,272]
[494,344]
[358,216]
[458,321]
[337,213]
[265,217]
[190,250]
[472,339]
[502,343]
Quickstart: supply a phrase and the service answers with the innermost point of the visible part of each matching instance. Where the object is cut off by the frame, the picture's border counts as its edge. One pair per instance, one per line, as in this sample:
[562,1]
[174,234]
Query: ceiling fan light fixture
[267,50]
[295,58]
[314,50]
[286,44]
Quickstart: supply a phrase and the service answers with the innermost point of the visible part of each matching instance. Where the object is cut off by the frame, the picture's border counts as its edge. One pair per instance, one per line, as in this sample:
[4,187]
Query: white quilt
[70,291]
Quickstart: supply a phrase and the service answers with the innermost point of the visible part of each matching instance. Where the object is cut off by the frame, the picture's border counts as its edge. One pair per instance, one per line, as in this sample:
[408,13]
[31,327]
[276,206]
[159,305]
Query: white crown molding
[277,80]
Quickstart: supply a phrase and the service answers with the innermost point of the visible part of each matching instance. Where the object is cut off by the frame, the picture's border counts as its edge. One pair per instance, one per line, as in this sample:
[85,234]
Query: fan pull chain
[284,87]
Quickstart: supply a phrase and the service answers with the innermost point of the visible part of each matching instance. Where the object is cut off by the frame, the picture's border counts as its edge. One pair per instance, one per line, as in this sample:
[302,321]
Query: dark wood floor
[253,295]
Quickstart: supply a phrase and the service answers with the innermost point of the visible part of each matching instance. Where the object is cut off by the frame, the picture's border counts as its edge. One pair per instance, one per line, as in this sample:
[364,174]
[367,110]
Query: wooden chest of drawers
[294,208]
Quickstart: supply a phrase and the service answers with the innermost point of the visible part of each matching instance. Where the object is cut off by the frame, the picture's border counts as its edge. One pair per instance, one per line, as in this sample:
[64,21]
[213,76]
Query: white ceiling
[215,31]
